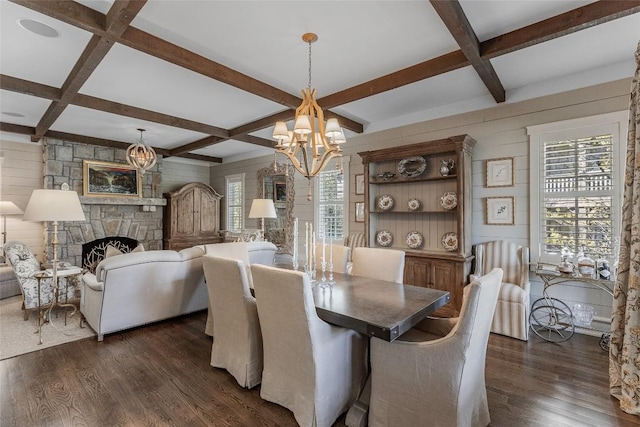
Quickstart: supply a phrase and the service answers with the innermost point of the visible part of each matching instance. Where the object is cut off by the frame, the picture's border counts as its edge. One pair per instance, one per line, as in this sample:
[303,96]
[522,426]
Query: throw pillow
[111,251]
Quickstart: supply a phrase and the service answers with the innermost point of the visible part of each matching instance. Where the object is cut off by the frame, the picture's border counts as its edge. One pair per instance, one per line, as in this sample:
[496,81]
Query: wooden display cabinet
[416,175]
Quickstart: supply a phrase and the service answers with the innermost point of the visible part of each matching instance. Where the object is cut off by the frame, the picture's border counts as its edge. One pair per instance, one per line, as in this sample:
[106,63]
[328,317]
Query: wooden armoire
[192,217]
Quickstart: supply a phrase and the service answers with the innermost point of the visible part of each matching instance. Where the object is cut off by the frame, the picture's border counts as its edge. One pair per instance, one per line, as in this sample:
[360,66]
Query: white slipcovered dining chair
[378,263]
[235,250]
[341,256]
[310,367]
[511,317]
[237,342]
[434,375]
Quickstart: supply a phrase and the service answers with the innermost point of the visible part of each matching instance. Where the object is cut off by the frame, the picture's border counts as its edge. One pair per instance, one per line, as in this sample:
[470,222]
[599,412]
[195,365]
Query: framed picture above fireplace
[105,179]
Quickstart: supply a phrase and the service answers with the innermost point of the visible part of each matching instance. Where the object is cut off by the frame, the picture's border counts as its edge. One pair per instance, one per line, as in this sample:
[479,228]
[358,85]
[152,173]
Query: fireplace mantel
[140,201]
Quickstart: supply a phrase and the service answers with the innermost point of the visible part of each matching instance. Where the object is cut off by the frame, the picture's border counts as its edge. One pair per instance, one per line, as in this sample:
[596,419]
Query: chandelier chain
[309,84]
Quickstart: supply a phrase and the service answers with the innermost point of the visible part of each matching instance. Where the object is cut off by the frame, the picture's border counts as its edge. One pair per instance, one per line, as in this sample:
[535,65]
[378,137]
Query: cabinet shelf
[409,180]
[378,211]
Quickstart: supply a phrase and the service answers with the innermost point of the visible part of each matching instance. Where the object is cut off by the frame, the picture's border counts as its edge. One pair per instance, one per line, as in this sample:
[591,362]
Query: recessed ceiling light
[38,28]
[11,114]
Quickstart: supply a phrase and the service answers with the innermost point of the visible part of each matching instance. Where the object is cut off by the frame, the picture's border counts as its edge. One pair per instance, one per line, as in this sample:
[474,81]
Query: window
[576,186]
[235,203]
[331,203]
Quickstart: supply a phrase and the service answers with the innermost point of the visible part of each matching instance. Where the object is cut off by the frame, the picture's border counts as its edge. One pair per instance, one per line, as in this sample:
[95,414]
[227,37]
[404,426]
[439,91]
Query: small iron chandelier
[311,144]
[141,156]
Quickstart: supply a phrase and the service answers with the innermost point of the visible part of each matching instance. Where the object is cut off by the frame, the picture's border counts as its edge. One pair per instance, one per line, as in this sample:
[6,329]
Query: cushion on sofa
[113,251]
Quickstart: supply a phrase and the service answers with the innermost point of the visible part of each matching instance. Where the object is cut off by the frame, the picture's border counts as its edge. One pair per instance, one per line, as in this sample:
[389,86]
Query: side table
[71,276]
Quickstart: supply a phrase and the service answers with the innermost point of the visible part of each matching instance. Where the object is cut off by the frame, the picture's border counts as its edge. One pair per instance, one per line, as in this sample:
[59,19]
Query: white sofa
[134,289]
[138,288]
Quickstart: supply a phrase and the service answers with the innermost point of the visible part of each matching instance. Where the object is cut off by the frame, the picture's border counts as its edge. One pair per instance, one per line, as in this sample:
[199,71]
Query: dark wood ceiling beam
[82,139]
[118,18]
[256,140]
[433,67]
[196,145]
[25,87]
[70,12]
[460,28]
[569,22]
[94,103]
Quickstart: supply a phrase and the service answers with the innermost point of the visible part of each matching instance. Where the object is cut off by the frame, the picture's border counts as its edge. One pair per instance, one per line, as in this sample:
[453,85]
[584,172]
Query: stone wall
[137,218]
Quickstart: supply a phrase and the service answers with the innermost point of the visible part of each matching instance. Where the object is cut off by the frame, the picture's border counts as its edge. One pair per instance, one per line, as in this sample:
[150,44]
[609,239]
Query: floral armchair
[25,265]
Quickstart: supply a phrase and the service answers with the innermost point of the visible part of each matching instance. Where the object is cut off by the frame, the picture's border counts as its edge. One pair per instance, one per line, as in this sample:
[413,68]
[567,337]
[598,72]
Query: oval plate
[412,167]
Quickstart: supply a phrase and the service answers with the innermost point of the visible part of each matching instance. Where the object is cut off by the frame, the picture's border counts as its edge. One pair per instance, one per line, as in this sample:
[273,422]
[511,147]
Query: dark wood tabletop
[376,308]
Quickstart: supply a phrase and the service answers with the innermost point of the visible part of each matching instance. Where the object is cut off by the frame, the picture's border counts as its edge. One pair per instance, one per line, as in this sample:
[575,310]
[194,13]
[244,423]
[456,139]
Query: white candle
[330,250]
[323,248]
[295,238]
[306,243]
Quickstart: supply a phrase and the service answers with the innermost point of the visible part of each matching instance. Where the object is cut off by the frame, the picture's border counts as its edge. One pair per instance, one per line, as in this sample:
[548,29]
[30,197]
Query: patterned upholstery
[355,240]
[511,317]
[25,265]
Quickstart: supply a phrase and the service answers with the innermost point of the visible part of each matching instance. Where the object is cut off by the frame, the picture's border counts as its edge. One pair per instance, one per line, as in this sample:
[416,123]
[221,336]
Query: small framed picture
[500,172]
[359,211]
[360,184]
[500,210]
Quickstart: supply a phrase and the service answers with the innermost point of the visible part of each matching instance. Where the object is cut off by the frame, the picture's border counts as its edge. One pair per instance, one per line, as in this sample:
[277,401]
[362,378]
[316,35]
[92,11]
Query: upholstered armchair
[434,374]
[512,311]
[25,265]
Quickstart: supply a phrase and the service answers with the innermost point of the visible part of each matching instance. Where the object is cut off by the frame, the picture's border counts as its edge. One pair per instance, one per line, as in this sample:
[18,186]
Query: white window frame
[345,201]
[229,179]
[614,123]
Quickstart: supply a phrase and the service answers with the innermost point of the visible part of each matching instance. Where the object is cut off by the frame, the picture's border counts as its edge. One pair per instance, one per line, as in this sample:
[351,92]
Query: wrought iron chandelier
[141,156]
[312,143]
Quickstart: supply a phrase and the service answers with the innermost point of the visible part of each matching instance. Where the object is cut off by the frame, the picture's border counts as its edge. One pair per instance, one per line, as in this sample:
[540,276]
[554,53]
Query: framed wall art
[360,184]
[500,210]
[359,211]
[105,179]
[500,172]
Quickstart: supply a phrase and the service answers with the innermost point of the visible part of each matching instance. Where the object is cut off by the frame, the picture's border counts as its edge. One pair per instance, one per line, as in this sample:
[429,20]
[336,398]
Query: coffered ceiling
[208,79]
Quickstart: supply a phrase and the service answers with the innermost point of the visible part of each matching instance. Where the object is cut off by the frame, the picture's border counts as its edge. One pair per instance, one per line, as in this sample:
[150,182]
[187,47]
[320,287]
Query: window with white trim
[576,186]
[235,202]
[331,203]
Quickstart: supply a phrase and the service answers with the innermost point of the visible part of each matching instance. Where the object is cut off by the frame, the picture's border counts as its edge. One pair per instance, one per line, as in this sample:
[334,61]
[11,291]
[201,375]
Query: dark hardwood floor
[159,375]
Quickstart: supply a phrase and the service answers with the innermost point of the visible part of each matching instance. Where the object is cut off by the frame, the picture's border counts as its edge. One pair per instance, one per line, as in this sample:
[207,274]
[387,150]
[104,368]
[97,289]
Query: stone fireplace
[139,218]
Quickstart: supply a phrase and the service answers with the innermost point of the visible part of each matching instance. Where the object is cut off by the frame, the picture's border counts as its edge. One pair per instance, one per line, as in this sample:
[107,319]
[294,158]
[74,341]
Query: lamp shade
[53,205]
[9,208]
[262,208]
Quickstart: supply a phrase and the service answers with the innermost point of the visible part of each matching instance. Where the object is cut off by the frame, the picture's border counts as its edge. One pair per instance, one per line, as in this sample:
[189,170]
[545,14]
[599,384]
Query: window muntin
[331,203]
[235,203]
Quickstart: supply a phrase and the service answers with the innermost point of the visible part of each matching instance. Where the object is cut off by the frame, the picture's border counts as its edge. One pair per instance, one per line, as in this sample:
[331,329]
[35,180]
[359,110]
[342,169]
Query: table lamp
[262,208]
[54,205]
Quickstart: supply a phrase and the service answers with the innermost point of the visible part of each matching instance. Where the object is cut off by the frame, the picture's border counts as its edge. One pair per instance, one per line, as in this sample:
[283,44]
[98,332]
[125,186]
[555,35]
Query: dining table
[376,308]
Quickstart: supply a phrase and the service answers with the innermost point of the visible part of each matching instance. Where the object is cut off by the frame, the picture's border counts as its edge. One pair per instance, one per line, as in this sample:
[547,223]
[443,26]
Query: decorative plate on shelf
[414,204]
[450,241]
[385,202]
[386,176]
[449,200]
[414,240]
[384,238]
[412,167]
